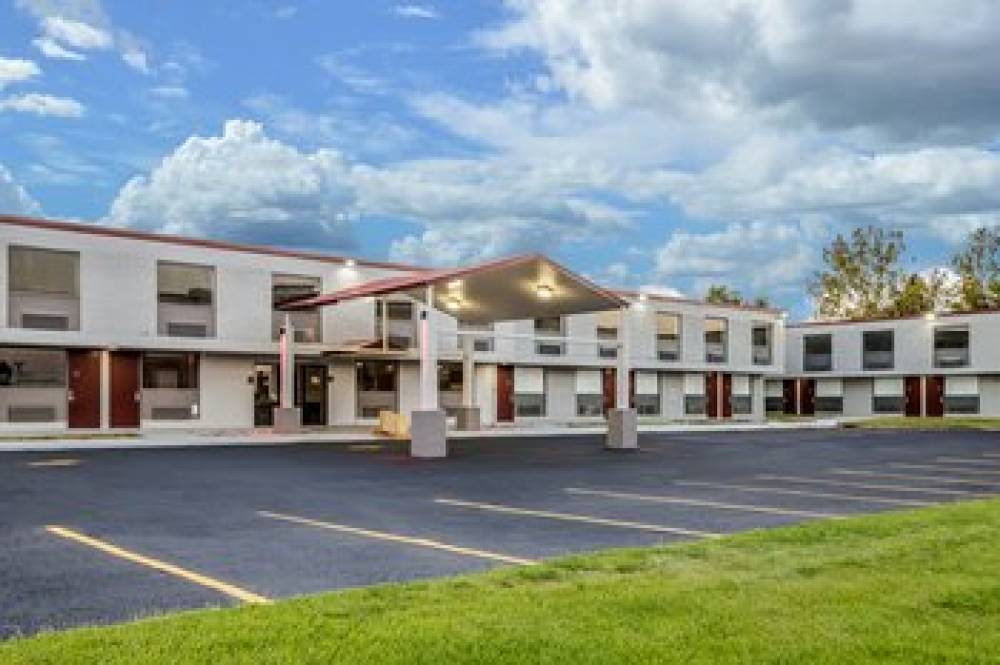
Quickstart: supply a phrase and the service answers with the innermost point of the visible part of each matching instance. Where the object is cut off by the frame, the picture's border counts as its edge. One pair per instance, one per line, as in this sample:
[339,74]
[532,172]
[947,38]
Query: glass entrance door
[310,393]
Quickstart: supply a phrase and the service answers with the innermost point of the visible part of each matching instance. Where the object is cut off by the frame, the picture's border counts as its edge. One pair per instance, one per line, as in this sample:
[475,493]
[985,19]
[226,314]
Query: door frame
[790,397]
[83,388]
[727,395]
[124,400]
[913,396]
[807,397]
[934,396]
[505,394]
[712,407]
[301,370]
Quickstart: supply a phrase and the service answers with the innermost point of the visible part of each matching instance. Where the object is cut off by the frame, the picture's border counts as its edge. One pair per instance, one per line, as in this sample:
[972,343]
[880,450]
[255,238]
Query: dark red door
[712,394]
[505,393]
[727,395]
[790,397]
[84,396]
[934,406]
[807,397]
[913,396]
[608,387]
[124,398]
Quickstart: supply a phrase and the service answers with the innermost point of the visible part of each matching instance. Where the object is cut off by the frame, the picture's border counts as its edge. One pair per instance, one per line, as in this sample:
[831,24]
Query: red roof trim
[130,234]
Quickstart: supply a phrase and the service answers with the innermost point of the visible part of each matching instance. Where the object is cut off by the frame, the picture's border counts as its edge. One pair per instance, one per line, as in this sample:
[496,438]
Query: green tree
[720,294]
[919,294]
[978,268]
[862,276]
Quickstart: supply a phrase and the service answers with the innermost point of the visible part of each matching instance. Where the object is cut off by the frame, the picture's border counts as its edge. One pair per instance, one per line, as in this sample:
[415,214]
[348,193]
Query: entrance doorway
[265,394]
[712,394]
[124,397]
[789,397]
[310,393]
[84,396]
[609,378]
[727,395]
[913,396]
[934,399]
[505,393]
[807,397]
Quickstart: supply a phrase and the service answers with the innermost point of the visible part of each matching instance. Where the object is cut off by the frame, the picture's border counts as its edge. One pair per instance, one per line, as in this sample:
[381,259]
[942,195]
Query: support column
[427,424]
[623,422]
[287,418]
[105,389]
[468,413]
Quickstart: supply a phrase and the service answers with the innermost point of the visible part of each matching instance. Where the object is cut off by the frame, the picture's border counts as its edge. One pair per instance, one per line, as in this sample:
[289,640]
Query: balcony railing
[668,347]
[951,357]
[878,360]
[715,352]
[817,362]
[546,347]
[762,355]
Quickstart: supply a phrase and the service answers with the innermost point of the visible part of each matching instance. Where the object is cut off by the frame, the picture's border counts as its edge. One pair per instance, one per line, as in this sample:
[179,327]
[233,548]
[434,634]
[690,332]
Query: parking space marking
[968,460]
[156,564]
[572,517]
[657,498]
[945,469]
[869,486]
[818,495]
[906,476]
[991,454]
[58,462]
[397,538]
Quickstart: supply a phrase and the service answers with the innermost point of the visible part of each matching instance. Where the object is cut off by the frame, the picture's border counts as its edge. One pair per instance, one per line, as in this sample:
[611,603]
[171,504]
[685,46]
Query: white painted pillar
[623,424]
[428,355]
[286,364]
[624,359]
[468,371]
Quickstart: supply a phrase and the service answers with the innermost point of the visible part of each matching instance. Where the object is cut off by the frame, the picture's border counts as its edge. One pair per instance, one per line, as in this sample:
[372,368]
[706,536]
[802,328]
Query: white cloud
[14,199]
[51,49]
[357,78]
[17,70]
[75,34]
[416,11]
[170,92]
[243,185]
[46,105]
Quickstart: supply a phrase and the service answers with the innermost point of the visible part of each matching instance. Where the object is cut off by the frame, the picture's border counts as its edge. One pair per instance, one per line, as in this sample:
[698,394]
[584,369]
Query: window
[668,336]
[716,340]
[961,394]
[32,385]
[44,289]
[483,344]
[607,330]
[450,386]
[170,386]
[549,326]
[376,386]
[397,328]
[186,297]
[694,394]
[829,396]
[951,347]
[529,391]
[647,393]
[589,393]
[888,395]
[877,349]
[289,288]
[761,335]
[817,353]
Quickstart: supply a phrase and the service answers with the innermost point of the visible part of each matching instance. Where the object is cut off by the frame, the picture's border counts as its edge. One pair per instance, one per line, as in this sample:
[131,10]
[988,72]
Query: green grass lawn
[949,423]
[909,587]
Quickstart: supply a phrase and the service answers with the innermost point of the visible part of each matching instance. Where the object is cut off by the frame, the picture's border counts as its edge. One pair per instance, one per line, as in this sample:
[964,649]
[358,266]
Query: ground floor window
[741,399]
[529,392]
[32,385]
[774,397]
[961,395]
[170,386]
[829,396]
[589,393]
[888,395]
[647,393]
[694,395]
[377,385]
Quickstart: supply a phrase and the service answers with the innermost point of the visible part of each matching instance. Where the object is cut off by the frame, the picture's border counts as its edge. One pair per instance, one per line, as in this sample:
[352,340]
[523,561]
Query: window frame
[868,365]
[806,367]
[725,339]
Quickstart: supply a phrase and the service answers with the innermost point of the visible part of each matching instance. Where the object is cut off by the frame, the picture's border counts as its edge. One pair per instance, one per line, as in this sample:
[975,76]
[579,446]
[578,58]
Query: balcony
[668,347]
[951,358]
[817,362]
[185,319]
[761,355]
[550,347]
[44,311]
[610,335]
[715,352]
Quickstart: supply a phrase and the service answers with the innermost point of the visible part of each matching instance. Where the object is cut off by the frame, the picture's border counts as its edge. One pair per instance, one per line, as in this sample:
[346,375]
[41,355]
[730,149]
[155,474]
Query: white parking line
[906,476]
[991,454]
[571,517]
[396,538]
[968,460]
[869,486]
[658,498]
[818,495]
[945,469]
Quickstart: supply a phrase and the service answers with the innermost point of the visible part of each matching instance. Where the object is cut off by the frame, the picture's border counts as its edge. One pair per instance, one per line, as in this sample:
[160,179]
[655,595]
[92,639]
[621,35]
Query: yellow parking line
[948,480]
[570,517]
[396,538]
[967,460]
[58,462]
[945,469]
[868,486]
[818,495]
[659,498]
[156,564]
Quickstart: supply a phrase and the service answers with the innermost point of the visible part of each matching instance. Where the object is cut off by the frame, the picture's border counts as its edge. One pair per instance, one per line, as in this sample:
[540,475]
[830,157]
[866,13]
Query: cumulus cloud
[45,105]
[243,185]
[14,199]
[16,70]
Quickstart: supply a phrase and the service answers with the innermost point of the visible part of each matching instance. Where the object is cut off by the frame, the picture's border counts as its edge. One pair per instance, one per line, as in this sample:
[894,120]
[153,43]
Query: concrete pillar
[468,418]
[105,389]
[758,399]
[623,422]
[428,438]
[287,418]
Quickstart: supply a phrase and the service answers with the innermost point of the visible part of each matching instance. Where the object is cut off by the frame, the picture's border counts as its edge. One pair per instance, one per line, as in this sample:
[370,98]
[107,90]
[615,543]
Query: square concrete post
[427,424]
[287,418]
[623,422]
[468,414]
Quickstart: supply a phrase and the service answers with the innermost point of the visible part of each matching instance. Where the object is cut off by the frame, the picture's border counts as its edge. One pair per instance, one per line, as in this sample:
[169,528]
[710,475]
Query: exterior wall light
[930,316]
[544,292]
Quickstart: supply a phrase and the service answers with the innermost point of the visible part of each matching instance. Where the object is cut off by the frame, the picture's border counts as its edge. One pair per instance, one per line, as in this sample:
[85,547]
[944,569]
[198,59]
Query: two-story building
[113,328]
[933,365]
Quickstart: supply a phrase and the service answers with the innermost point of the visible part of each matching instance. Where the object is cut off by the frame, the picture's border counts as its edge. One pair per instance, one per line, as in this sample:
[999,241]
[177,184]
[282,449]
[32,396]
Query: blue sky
[647,143]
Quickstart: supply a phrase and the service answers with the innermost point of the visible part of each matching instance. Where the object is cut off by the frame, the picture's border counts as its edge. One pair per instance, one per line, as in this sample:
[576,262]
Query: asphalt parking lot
[107,536]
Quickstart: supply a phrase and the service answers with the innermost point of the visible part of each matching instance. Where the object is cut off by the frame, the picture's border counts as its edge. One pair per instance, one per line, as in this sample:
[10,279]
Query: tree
[862,277]
[978,268]
[720,294]
[919,294]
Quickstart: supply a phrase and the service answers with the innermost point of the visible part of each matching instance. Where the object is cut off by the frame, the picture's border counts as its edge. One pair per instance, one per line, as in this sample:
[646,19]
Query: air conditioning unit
[39,321]
[177,329]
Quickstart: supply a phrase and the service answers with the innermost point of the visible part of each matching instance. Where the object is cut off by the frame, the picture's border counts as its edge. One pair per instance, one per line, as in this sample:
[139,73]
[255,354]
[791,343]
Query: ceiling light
[350,263]
[930,316]
[544,291]
[453,303]
[455,284]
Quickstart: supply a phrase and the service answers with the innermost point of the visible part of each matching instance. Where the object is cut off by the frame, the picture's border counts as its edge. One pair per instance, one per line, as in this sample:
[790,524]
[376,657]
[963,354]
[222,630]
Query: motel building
[933,365]
[113,329]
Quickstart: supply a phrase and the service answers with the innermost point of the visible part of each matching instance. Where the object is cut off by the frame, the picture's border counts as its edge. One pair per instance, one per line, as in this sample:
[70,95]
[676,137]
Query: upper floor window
[762,334]
[186,300]
[395,323]
[289,288]
[951,346]
[550,326]
[716,340]
[484,344]
[877,349]
[44,289]
[668,336]
[607,332]
[817,353]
